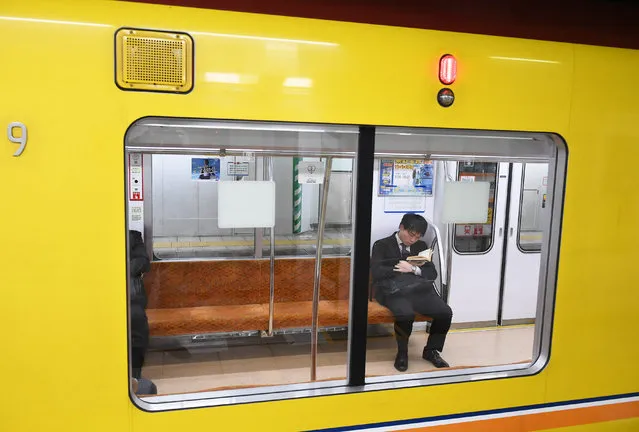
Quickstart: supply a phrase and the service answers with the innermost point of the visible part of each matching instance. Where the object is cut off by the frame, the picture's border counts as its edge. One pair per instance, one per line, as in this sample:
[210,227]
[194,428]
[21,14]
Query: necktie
[405,251]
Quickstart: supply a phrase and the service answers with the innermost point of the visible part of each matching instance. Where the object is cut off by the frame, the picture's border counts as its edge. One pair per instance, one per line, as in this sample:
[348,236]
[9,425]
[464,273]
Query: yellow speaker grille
[150,60]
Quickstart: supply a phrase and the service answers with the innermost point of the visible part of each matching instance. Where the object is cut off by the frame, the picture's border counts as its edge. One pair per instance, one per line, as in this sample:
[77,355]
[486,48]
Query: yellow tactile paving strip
[225,243]
[279,242]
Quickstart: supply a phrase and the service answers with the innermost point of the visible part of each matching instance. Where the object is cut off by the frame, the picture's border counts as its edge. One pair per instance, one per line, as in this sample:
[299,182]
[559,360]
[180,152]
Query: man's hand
[403,267]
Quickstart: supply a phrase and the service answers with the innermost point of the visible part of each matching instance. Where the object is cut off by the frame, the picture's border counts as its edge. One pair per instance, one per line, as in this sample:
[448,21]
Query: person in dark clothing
[143,386]
[406,289]
[139,264]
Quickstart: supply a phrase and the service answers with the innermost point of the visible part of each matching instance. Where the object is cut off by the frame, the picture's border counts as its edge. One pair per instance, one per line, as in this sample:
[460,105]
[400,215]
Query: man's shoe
[401,361]
[146,387]
[434,357]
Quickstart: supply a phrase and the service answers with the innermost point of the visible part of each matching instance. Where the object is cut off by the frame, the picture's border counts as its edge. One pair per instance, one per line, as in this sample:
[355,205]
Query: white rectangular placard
[136,216]
[310,172]
[246,204]
[237,168]
[415,204]
[466,202]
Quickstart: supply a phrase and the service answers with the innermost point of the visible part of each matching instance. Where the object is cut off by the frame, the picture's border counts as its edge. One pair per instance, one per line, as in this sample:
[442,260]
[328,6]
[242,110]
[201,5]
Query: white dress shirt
[416,270]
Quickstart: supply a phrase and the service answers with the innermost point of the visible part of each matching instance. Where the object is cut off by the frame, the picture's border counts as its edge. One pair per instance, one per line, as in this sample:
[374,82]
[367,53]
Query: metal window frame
[356,380]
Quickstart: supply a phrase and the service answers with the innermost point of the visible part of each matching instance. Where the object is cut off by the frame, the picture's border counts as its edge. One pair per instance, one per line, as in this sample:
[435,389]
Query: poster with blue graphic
[405,177]
[205,169]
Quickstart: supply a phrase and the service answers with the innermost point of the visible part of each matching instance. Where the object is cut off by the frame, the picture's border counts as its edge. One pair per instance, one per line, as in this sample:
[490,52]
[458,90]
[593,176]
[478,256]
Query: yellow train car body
[64,305]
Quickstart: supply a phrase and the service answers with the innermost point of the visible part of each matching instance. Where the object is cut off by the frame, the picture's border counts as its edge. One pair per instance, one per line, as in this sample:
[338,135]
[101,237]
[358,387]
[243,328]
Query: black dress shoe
[401,361]
[434,357]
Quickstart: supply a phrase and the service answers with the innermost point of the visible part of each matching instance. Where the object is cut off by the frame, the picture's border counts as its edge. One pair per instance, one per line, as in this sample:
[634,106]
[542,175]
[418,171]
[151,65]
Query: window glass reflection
[227,301]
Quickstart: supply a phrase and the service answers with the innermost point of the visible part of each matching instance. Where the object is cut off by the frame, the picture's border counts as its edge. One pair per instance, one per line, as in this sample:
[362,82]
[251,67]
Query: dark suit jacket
[138,265]
[386,255]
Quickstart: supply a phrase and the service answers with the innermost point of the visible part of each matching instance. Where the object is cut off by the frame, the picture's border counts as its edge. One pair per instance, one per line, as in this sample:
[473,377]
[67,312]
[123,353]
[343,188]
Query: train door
[495,266]
[527,211]
[477,252]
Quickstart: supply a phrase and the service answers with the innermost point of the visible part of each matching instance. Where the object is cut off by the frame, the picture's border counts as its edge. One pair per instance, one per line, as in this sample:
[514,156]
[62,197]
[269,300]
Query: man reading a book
[403,277]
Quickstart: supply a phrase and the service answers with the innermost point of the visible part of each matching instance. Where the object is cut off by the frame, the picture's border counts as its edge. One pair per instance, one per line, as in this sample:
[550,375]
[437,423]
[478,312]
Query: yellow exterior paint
[63,279]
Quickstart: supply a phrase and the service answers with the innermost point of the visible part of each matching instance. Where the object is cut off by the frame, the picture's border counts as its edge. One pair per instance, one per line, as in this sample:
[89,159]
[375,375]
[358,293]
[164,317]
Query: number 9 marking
[22,139]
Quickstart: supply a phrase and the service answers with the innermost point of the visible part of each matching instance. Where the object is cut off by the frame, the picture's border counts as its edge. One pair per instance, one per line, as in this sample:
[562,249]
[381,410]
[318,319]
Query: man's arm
[140,262]
[381,266]
[427,271]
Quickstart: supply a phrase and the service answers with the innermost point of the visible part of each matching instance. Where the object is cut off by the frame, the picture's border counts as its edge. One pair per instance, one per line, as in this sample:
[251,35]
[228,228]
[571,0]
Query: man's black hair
[414,223]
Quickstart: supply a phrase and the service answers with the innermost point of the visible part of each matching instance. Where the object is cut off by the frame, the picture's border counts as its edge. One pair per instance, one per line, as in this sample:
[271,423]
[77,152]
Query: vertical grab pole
[297,198]
[318,267]
[449,261]
[271,298]
[258,232]
[450,234]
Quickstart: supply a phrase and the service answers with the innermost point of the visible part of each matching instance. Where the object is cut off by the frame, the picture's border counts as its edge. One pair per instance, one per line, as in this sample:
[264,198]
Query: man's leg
[137,361]
[402,310]
[430,304]
[403,329]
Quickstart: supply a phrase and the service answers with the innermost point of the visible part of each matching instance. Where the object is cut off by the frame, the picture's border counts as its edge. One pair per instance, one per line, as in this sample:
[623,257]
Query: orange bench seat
[199,297]
[206,319]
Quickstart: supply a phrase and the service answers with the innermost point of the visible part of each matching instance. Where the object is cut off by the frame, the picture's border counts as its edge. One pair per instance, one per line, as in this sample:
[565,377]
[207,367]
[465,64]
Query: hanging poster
[405,177]
[205,169]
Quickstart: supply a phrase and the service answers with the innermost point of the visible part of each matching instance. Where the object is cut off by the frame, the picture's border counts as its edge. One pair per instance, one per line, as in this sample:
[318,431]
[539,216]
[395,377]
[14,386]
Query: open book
[423,256]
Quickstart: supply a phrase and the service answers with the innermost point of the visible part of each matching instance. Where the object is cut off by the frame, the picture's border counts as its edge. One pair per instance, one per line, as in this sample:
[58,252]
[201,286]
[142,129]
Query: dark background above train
[595,22]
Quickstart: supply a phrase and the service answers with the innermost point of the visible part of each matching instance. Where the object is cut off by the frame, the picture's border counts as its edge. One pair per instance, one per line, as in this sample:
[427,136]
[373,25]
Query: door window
[472,238]
[534,206]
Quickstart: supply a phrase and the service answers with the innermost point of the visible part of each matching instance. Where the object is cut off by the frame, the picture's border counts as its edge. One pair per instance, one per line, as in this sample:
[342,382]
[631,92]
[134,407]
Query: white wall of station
[186,207]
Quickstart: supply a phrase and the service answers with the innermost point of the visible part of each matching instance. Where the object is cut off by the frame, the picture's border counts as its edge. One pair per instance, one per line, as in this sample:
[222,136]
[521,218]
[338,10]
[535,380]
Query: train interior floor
[337,241]
[286,359]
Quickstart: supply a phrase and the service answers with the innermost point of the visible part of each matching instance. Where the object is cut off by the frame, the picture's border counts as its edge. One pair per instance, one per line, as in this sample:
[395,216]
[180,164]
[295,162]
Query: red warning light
[447,69]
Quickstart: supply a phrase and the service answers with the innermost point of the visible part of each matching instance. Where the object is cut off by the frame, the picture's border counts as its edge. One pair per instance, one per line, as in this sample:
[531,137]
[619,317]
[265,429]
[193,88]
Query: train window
[473,237]
[229,296]
[437,279]
[534,206]
[245,309]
